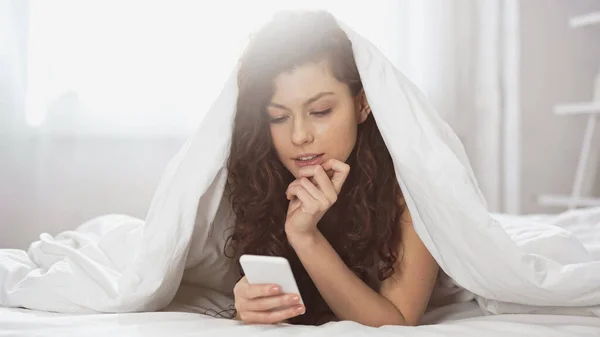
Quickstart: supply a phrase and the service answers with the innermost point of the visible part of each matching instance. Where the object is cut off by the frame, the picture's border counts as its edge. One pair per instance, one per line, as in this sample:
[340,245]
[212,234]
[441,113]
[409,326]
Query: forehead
[303,82]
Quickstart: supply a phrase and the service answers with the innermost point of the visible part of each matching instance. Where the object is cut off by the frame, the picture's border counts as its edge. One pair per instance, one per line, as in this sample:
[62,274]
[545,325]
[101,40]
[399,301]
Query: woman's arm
[404,296]
[347,295]
[415,274]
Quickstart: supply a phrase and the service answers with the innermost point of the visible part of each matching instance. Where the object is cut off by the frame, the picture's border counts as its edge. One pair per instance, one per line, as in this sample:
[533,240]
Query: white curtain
[469,69]
[13,39]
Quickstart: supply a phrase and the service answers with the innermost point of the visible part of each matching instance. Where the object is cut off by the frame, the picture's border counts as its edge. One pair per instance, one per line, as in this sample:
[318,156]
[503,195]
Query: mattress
[459,319]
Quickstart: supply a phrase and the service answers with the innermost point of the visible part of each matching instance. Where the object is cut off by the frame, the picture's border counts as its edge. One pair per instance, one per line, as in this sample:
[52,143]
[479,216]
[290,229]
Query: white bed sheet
[461,319]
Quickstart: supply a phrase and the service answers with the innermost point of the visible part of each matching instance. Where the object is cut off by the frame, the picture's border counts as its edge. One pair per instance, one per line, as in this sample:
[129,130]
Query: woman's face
[313,117]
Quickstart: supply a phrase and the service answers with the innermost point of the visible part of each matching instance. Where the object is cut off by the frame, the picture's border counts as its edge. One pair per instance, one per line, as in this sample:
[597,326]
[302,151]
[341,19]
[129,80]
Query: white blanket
[119,264]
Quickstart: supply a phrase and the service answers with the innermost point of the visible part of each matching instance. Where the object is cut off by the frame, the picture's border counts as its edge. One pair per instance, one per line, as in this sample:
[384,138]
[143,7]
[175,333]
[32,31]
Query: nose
[301,134]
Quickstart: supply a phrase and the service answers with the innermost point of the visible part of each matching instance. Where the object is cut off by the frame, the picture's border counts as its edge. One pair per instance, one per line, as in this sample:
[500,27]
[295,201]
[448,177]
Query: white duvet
[117,263]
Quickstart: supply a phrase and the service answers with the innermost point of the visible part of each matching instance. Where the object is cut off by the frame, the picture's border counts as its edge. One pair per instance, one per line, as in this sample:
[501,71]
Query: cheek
[280,137]
[339,134]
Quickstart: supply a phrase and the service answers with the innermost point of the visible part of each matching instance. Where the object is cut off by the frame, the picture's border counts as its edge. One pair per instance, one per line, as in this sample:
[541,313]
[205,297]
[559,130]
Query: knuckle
[237,289]
[241,304]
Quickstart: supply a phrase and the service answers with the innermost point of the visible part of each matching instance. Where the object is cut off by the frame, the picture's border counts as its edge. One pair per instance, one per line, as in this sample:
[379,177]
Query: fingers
[294,183]
[317,194]
[271,317]
[246,290]
[315,189]
[261,290]
[309,204]
[323,181]
[340,172]
[255,303]
[241,287]
[269,303]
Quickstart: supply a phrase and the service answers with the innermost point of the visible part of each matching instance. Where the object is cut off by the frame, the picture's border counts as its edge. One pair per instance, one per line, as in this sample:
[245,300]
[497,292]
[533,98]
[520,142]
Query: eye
[277,120]
[321,113]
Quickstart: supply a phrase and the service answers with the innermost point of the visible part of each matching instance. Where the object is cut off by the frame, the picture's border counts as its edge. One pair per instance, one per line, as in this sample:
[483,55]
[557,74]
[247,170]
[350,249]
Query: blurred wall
[558,65]
[51,185]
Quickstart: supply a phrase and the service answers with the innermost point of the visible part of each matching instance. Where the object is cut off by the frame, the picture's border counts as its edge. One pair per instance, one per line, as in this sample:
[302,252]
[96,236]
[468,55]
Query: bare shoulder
[405,217]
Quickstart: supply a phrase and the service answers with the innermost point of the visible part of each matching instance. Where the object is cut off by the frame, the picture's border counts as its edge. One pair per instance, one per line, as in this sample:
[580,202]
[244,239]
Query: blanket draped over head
[117,263]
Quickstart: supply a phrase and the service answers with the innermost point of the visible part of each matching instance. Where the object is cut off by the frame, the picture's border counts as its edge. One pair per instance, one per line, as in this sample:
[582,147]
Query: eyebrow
[308,101]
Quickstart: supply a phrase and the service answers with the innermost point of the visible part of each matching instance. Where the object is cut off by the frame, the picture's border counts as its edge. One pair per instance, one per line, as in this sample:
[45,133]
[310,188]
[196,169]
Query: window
[148,68]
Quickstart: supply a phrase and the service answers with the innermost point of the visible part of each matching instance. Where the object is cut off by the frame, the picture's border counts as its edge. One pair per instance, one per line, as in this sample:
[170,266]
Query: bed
[460,319]
[452,314]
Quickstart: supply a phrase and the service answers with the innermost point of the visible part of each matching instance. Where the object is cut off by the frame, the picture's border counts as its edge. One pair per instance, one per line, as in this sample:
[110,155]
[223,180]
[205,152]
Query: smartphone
[270,270]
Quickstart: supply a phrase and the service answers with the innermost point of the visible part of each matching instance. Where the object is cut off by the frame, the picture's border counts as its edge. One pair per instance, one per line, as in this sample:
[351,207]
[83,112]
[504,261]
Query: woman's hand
[255,303]
[312,194]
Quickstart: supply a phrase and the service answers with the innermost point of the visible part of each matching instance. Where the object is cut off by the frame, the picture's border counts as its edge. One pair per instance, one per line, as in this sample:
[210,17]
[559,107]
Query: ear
[362,107]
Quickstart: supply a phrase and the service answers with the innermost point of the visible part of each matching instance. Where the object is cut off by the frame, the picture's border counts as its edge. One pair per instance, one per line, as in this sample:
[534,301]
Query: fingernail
[274,290]
[295,298]
[300,309]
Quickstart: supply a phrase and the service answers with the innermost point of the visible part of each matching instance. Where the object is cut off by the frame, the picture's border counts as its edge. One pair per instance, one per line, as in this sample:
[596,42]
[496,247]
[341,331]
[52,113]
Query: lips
[309,159]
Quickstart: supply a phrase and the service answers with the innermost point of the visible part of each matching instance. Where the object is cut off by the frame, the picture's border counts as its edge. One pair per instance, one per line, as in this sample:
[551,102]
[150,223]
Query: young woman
[311,179]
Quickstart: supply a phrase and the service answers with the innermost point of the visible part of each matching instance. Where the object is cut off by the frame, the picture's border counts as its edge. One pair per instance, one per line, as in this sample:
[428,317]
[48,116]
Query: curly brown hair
[362,226]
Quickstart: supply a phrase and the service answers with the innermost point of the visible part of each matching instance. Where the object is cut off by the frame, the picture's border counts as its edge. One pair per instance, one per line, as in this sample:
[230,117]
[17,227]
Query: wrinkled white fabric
[117,263]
